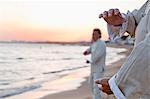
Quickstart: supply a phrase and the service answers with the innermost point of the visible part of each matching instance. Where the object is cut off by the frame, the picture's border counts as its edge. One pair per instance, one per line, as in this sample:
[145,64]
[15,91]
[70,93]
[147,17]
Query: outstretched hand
[86,53]
[112,17]
[104,86]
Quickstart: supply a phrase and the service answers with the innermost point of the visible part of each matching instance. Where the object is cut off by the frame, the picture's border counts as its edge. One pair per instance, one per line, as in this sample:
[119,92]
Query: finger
[116,12]
[102,89]
[101,15]
[98,81]
[101,81]
[105,14]
[99,86]
[110,12]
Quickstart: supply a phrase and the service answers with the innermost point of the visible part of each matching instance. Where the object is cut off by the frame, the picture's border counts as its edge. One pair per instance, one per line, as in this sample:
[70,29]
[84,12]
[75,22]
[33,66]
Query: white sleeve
[89,49]
[132,20]
[116,32]
[115,89]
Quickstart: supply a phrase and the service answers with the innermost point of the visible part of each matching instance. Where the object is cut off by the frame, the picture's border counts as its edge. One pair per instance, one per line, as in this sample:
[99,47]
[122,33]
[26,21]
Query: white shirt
[148,7]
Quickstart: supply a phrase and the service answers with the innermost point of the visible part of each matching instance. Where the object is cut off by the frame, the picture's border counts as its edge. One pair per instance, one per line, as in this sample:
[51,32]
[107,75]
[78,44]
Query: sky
[56,20]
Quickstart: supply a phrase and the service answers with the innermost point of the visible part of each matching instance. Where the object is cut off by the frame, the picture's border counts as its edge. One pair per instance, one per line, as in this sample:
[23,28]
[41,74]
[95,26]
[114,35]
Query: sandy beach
[83,92]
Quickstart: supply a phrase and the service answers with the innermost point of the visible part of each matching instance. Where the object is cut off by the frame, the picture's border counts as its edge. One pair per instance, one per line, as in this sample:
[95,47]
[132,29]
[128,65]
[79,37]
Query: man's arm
[88,51]
[118,23]
[131,79]
[122,22]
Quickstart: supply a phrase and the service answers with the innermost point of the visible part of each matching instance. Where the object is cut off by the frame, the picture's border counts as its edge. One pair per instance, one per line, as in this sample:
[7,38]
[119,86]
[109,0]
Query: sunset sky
[56,20]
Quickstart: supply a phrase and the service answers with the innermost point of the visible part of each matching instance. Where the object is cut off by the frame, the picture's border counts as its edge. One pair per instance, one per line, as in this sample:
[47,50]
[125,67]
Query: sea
[34,70]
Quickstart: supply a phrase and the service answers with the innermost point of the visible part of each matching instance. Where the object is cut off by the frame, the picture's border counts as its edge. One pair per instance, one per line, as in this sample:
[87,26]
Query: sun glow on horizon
[55,20]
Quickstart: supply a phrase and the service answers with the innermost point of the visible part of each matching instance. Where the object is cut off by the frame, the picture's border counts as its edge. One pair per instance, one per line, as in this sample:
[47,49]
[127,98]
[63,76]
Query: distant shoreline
[47,42]
[81,43]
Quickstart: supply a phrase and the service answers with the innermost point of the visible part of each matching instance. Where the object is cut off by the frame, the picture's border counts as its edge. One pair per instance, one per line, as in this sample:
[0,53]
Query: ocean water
[28,67]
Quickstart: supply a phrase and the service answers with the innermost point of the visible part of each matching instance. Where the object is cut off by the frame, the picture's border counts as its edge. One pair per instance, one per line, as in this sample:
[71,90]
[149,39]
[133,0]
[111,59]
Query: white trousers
[96,93]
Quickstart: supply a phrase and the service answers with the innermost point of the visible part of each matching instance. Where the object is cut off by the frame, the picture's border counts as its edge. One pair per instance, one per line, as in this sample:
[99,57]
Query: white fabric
[98,54]
[116,32]
[113,86]
[94,87]
[129,24]
[93,48]
[148,7]
[141,30]
[133,78]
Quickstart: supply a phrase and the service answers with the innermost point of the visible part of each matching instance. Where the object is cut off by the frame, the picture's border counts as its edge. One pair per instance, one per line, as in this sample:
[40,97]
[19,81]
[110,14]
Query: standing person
[98,54]
[133,79]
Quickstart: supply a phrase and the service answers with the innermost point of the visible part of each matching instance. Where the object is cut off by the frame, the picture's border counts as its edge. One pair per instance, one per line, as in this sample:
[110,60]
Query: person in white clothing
[98,54]
[133,79]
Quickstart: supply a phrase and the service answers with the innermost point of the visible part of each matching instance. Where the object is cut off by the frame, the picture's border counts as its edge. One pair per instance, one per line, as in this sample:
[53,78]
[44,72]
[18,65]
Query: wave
[4,83]
[63,70]
[20,58]
[15,91]
[67,58]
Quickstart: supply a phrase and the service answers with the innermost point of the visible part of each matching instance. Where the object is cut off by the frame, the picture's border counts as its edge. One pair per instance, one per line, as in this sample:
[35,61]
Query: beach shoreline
[83,92]
[73,81]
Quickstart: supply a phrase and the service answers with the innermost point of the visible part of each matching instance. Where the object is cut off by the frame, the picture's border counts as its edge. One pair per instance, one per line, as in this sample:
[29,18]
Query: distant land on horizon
[49,42]
[80,43]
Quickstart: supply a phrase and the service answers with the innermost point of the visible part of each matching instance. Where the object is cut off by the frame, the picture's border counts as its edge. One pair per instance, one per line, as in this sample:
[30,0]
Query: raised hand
[112,17]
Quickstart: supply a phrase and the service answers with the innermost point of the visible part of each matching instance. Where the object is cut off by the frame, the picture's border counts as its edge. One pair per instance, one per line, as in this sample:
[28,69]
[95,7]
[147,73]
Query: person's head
[96,34]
